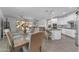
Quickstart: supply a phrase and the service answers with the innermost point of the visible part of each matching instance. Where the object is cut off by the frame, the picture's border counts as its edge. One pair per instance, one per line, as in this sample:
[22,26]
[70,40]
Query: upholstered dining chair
[15,45]
[37,41]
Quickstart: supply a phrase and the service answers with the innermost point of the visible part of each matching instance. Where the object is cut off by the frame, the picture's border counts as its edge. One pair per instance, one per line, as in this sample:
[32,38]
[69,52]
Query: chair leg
[21,49]
[18,50]
[11,50]
[40,49]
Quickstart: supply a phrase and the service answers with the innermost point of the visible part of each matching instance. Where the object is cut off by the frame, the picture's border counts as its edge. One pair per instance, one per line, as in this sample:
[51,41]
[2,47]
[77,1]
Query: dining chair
[15,45]
[37,41]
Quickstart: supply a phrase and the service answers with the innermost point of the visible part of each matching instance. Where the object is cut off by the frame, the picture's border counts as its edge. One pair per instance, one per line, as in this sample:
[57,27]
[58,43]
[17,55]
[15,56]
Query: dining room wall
[12,23]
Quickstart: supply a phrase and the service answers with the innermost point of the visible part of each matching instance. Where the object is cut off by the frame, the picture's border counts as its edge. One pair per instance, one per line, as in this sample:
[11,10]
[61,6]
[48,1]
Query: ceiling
[36,12]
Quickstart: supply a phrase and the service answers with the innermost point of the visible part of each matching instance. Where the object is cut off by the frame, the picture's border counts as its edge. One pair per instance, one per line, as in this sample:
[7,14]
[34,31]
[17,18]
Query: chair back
[10,39]
[36,41]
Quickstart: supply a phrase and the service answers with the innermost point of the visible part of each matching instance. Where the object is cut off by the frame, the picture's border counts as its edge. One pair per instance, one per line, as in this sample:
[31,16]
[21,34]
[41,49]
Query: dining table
[22,39]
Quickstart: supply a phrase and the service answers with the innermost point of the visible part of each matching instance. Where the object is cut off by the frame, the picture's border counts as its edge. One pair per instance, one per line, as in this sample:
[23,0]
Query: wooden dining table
[26,39]
[21,40]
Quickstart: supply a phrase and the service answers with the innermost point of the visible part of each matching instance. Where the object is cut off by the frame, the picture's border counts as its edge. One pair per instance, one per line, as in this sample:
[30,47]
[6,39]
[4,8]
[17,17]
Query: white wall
[12,24]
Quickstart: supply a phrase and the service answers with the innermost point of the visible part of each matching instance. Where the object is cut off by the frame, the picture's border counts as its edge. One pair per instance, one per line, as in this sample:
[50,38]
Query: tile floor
[66,44]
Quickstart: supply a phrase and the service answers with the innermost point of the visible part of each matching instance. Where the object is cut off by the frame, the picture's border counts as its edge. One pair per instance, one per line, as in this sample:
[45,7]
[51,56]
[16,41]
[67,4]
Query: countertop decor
[23,25]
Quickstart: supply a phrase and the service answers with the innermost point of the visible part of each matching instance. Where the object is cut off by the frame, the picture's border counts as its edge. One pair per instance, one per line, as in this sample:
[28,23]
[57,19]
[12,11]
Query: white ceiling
[36,12]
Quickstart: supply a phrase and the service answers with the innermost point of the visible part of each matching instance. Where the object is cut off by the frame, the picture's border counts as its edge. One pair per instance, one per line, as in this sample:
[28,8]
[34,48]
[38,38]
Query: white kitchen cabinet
[69,32]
